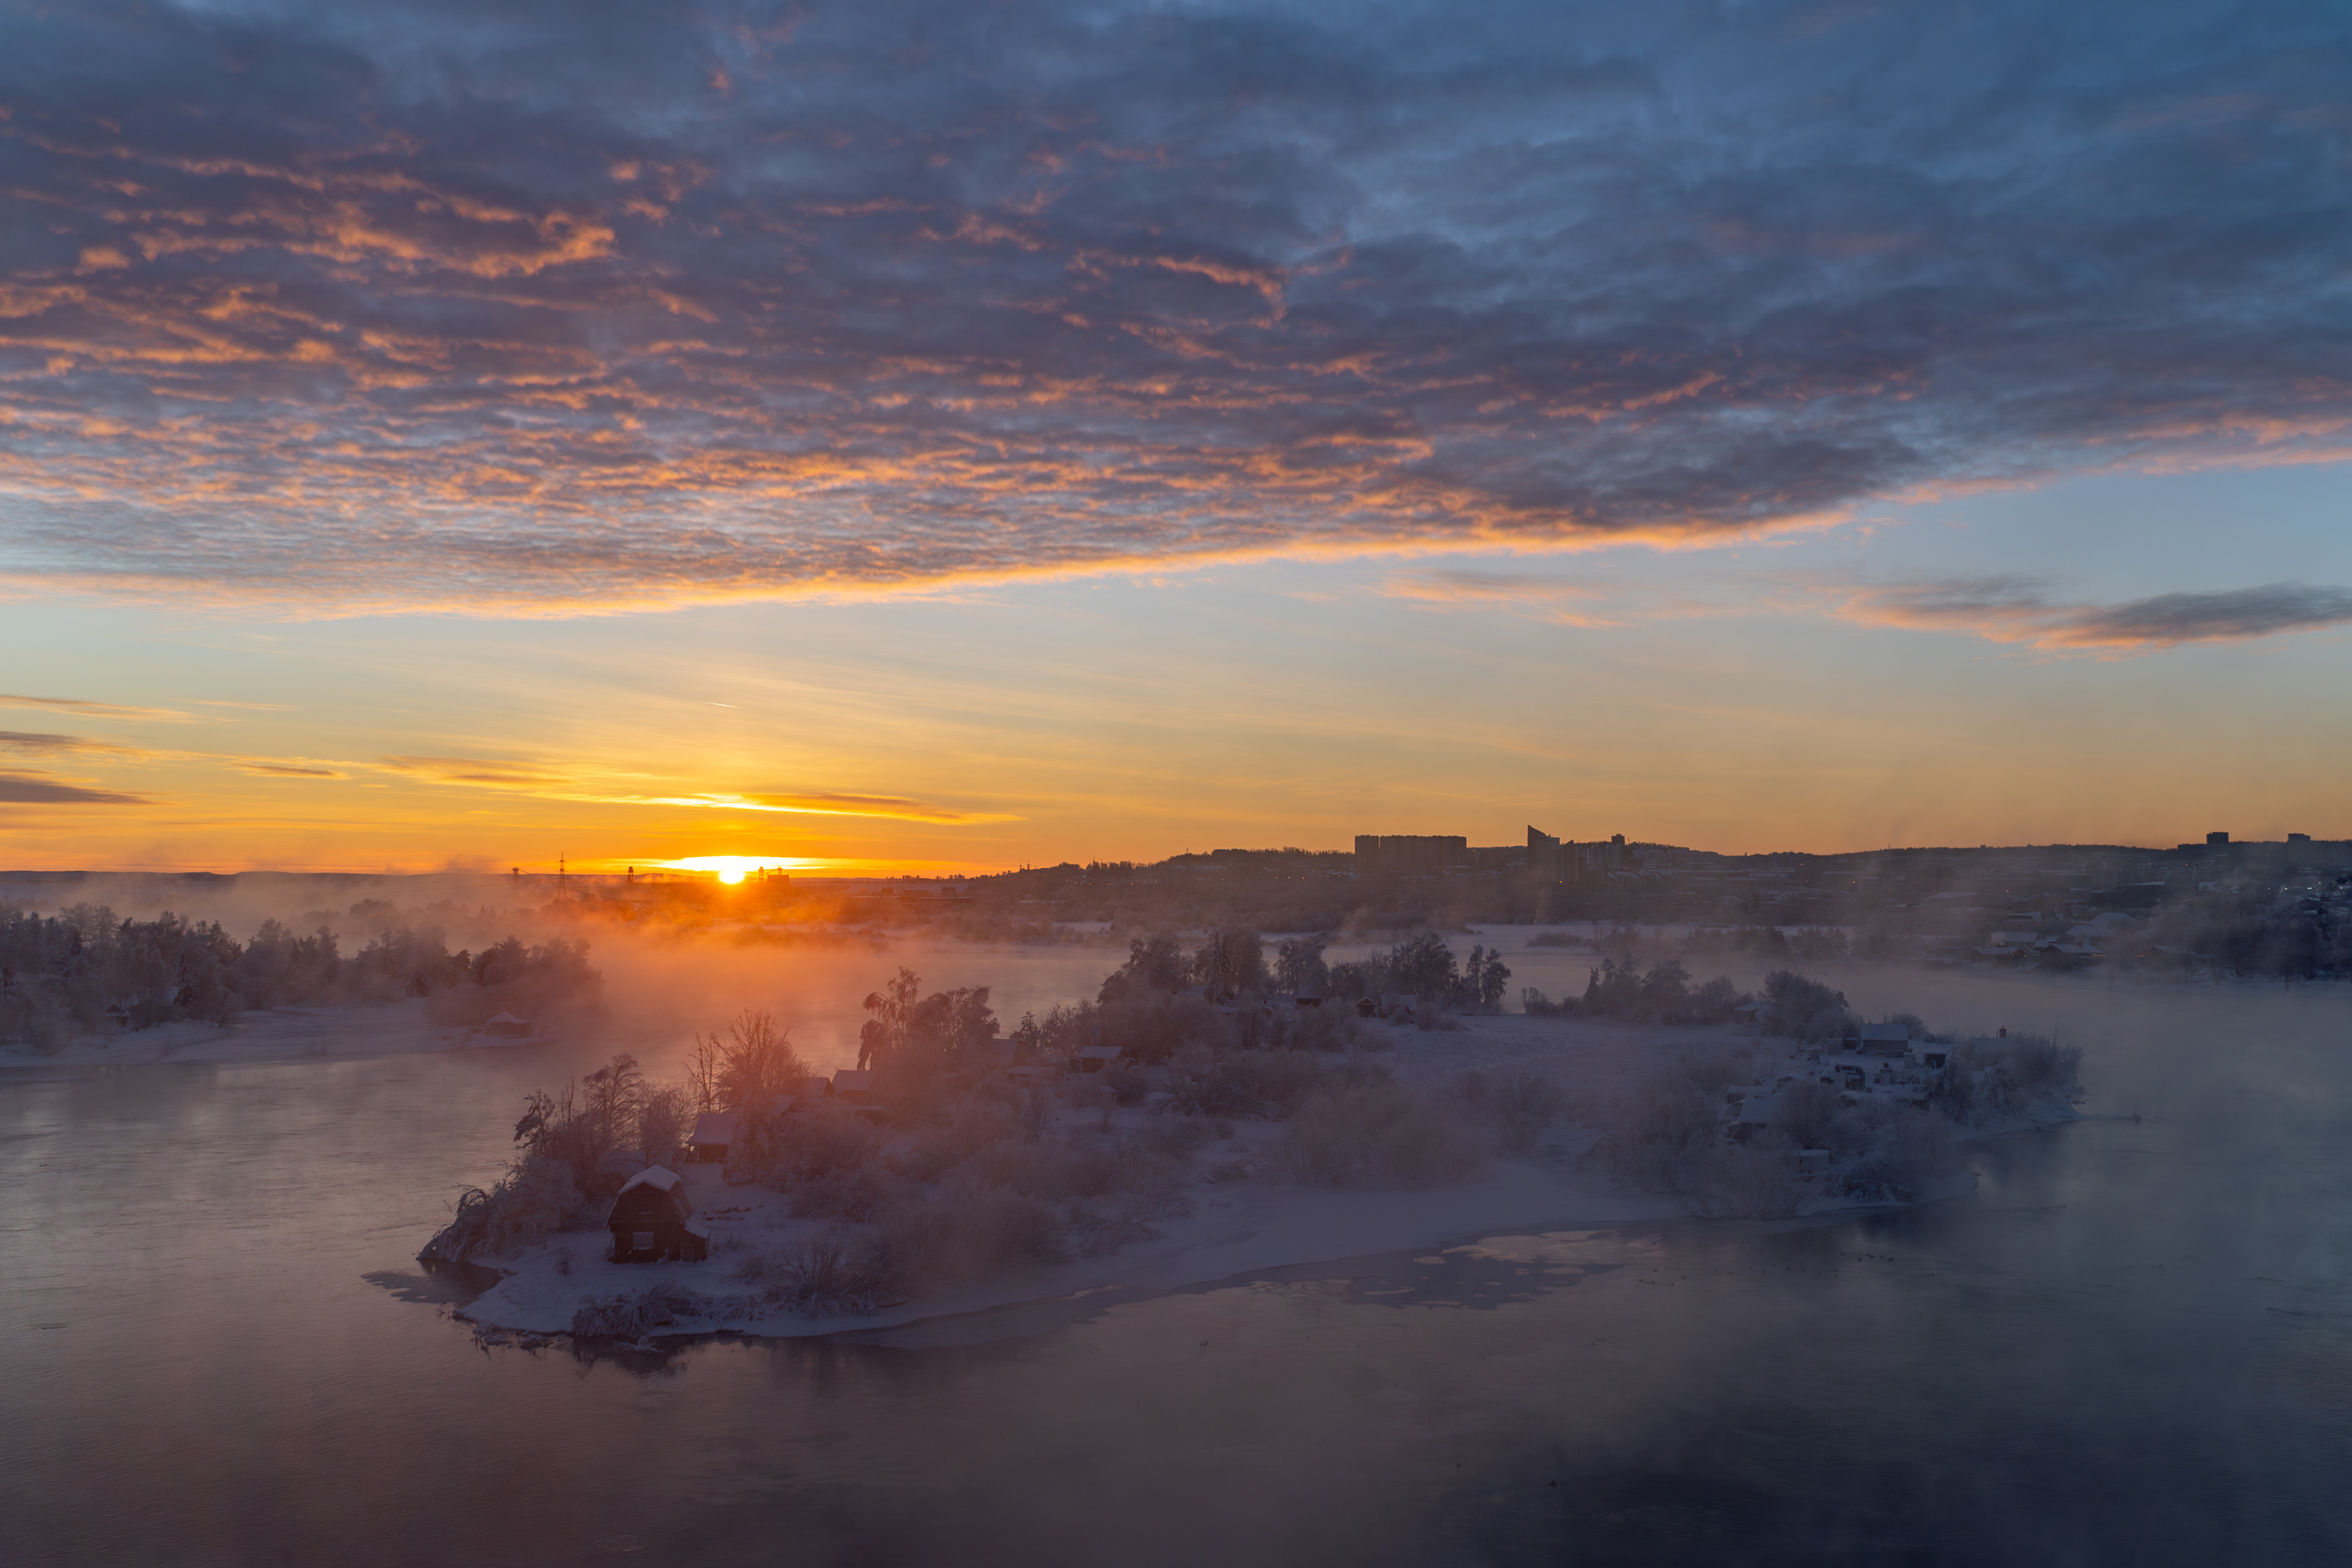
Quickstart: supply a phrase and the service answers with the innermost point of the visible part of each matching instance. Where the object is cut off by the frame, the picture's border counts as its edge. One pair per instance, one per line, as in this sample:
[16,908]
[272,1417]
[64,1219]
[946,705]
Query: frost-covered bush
[1331,1028]
[1657,1127]
[858,1194]
[1128,1082]
[813,1146]
[1375,1133]
[1803,1111]
[831,1275]
[627,1314]
[1517,1104]
[1802,1009]
[2036,1064]
[1241,1083]
[1742,1181]
[969,1235]
[1899,1152]
[973,1125]
[533,1200]
[1176,1137]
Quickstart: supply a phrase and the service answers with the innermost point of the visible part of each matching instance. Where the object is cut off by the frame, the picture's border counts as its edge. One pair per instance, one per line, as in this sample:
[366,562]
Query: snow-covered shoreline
[1235,1228]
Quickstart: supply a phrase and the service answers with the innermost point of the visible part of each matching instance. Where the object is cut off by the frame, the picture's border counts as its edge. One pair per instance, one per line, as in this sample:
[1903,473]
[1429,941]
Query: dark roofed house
[1884,1040]
[714,1131]
[652,1220]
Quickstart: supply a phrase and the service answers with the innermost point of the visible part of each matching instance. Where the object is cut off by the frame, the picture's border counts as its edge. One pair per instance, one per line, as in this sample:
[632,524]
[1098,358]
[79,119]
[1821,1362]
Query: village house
[1883,1040]
[714,1132]
[652,1220]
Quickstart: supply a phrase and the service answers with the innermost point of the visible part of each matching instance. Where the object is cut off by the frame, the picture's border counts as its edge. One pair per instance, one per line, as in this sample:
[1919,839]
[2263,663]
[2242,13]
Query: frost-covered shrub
[1804,1111]
[1330,1027]
[1666,1119]
[969,1235]
[1242,1083]
[1802,1009]
[1516,1103]
[1375,1133]
[858,1194]
[1906,1150]
[2036,1064]
[1128,1082]
[971,1126]
[627,1314]
[831,1275]
[1742,1181]
[533,1200]
[1175,1137]
[811,1146]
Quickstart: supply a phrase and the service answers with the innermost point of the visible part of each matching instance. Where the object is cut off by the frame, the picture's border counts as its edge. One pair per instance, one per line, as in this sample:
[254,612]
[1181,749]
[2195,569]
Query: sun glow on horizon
[734,869]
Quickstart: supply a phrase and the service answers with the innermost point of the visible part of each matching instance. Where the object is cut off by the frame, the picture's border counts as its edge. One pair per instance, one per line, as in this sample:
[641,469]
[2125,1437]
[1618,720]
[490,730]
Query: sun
[734,870]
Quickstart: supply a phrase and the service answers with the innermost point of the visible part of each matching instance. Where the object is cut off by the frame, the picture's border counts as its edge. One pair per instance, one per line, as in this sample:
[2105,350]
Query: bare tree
[756,1062]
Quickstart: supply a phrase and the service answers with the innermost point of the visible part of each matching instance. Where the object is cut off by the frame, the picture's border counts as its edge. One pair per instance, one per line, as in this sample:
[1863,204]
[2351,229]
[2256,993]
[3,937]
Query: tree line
[87,968]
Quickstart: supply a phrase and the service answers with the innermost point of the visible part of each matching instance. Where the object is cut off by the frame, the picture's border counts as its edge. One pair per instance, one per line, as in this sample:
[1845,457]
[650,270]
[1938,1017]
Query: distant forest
[85,969]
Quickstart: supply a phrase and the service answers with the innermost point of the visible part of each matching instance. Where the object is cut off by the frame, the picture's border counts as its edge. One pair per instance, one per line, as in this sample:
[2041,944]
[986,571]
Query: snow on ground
[1235,1229]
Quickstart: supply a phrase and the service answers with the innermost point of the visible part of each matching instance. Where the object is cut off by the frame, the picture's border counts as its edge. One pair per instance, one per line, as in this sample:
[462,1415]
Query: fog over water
[2133,1343]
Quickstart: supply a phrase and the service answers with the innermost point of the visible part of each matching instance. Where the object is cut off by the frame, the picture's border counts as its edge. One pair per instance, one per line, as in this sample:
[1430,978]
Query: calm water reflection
[2133,1345]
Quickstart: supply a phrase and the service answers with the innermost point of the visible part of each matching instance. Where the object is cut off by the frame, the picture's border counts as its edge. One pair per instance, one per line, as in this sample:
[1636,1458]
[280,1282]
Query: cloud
[473,771]
[1555,598]
[39,789]
[2016,610]
[266,769]
[23,741]
[481,309]
[544,783]
[92,709]
[896,807]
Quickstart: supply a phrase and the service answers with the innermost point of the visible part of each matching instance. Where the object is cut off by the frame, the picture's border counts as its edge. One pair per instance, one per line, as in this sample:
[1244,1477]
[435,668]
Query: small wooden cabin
[1094,1058]
[856,1088]
[652,1220]
[713,1132]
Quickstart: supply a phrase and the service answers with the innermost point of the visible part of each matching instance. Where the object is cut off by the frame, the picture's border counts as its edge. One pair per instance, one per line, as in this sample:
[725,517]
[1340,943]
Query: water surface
[2133,1345]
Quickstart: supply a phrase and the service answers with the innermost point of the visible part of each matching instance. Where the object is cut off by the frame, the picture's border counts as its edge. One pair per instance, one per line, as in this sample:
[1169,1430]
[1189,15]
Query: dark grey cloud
[482,306]
[35,741]
[39,789]
[2020,609]
[2230,616]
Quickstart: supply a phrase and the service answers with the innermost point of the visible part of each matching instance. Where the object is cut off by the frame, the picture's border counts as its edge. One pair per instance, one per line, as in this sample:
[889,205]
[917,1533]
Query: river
[2132,1344]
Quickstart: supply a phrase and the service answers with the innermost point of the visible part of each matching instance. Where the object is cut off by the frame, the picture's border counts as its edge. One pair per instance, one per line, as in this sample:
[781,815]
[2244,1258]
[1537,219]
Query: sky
[947,437]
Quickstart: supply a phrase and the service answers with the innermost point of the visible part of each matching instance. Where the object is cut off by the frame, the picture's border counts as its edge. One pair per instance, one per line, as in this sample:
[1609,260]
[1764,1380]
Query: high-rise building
[1411,853]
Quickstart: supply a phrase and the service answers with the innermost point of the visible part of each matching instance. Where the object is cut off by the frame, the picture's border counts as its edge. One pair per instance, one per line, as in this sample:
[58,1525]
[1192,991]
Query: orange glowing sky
[945,439]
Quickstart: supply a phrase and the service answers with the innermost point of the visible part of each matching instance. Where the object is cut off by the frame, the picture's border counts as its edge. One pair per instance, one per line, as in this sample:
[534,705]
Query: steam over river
[2133,1345]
